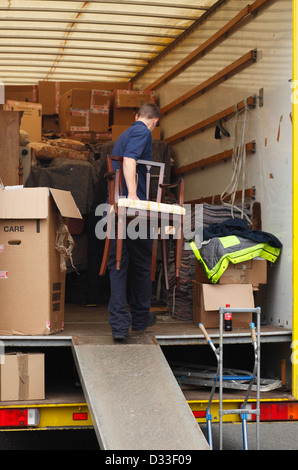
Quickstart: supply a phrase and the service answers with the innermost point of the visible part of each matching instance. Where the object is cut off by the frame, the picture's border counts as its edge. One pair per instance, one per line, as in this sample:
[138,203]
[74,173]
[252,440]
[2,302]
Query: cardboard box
[49,92]
[80,110]
[31,120]
[50,123]
[81,98]
[73,120]
[117,130]
[49,96]
[99,120]
[32,284]
[22,93]
[22,377]
[133,98]
[253,272]
[124,116]
[208,298]
[100,99]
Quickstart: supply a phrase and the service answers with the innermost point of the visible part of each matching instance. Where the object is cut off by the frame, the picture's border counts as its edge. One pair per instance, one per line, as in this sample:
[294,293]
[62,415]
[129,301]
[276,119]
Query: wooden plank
[206,123]
[247,12]
[222,75]
[216,199]
[219,157]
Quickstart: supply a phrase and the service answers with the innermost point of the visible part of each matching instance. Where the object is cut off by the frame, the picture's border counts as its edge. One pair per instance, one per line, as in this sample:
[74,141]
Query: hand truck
[219,378]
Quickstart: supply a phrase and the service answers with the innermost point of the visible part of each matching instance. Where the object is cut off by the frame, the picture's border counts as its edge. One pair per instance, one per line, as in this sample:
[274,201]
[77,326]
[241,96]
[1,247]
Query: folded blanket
[218,252]
[240,228]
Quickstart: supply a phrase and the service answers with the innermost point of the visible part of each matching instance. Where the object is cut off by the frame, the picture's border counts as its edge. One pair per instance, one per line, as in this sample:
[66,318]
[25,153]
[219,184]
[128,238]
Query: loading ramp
[133,397]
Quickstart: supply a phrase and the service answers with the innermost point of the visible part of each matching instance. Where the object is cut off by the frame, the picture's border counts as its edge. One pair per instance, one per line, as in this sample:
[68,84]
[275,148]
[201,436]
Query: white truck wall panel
[270,169]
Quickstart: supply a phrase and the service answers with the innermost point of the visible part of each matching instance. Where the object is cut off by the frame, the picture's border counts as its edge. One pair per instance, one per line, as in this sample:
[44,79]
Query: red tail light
[277,411]
[18,417]
[80,416]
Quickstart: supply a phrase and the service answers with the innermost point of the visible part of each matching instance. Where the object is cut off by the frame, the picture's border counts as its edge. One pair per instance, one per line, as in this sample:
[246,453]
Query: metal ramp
[133,397]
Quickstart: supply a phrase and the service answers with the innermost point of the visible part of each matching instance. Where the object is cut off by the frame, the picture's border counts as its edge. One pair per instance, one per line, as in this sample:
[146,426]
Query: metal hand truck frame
[220,378]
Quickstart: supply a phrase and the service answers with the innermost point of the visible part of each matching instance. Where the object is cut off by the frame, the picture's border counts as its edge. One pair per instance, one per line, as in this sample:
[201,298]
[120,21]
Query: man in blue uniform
[132,283]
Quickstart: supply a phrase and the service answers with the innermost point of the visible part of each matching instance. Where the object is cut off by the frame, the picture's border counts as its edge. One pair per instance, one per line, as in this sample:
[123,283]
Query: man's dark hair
[149,111]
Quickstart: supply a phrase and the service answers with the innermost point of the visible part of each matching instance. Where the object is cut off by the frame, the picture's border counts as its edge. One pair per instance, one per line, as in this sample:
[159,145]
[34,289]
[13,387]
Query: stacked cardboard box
[87,111]
[88,114]
[50,92]
[235,287]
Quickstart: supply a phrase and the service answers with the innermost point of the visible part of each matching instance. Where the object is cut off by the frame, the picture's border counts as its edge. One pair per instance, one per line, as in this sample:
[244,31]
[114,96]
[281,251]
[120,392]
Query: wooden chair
[122,210]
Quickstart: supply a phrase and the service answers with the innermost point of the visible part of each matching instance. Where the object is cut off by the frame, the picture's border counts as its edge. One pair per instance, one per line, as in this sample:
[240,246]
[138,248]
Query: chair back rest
[119,160]
[159,175]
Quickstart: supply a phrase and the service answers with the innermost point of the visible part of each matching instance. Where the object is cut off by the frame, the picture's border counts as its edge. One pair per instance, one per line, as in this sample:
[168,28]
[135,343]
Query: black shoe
[87,304]
[152,320]
[119,338]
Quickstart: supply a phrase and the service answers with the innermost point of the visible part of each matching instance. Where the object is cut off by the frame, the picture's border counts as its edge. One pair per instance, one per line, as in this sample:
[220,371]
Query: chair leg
[165,262]
[105,257]
[179,242]
[119,252]
[153,262]
[107,247]
[119,241]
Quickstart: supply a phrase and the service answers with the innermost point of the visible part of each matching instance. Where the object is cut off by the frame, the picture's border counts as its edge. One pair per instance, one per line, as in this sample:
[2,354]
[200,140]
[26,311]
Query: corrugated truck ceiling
[90,41]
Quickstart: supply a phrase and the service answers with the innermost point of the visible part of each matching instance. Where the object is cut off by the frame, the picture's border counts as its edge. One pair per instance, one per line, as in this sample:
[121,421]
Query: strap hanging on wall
[238,164]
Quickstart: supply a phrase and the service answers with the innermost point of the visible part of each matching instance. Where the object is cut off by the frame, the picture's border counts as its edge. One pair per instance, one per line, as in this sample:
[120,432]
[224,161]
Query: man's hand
[129,172]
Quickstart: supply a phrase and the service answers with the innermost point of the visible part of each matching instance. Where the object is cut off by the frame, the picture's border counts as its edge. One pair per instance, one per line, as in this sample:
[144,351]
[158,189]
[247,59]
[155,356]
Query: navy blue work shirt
[136,143]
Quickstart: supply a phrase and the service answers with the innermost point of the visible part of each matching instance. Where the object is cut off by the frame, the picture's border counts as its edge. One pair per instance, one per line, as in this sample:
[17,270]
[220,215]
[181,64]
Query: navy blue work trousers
[131,286]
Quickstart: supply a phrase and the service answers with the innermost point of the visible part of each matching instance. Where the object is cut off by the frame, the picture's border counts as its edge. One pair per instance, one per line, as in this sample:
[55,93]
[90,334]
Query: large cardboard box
[208,298]
[22,377]
[31,120]
[32,259]
[253,272]
[84,110]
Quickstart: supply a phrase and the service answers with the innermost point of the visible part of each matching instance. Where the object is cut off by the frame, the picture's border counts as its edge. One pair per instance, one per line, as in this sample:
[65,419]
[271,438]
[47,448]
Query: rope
[238,164]
[64,245]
